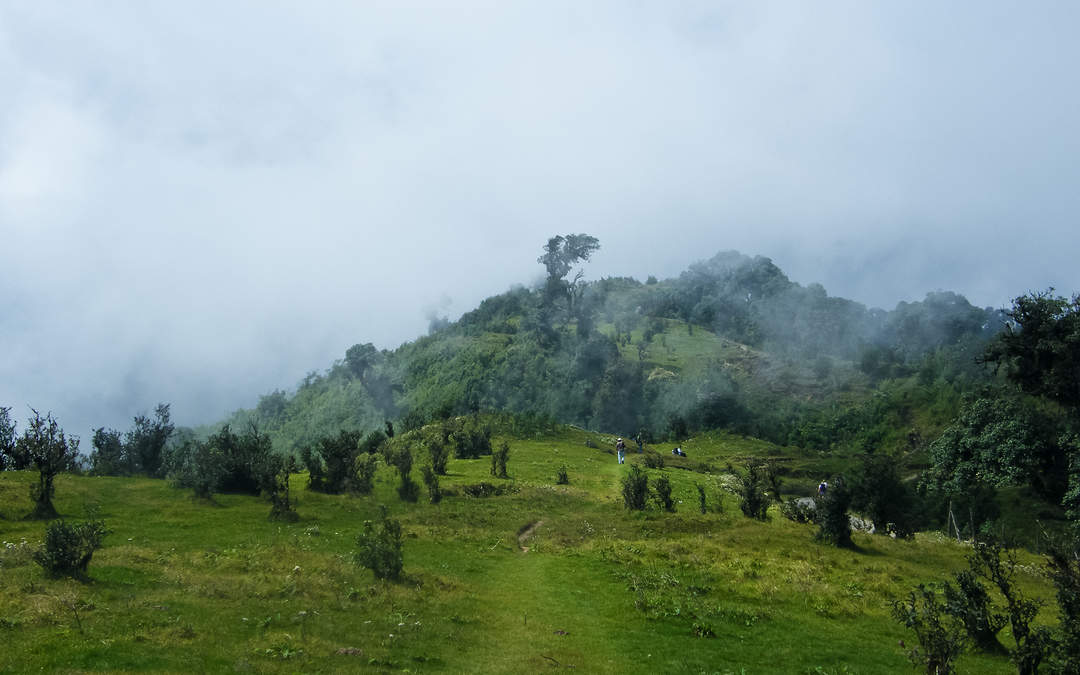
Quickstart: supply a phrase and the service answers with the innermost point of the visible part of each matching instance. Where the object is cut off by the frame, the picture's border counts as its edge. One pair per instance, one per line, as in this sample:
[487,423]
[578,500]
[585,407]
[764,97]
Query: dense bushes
[635,489]
[331,462]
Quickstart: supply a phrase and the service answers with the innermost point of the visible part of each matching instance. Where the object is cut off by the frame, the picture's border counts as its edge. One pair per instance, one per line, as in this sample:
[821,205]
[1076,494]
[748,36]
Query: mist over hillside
[730,343]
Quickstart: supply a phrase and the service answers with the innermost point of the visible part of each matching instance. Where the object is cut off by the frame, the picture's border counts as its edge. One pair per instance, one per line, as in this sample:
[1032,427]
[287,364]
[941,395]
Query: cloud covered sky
[202,201]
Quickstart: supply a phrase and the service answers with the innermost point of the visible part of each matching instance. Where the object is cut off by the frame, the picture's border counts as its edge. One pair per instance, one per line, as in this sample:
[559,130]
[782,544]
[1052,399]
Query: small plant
[67,548]
[590,443]
[940,637]
[635,489]
[797,511]
[755,503]
[498,460]
[277,485]
[561,477]
[653,460]
[365,472]
[440,455]
[663,493]
[970,603]
[378,547]
[702,505]
[431,480]
[407,488]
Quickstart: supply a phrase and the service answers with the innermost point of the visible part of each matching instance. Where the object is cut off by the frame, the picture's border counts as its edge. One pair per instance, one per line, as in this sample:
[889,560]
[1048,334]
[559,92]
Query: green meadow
[541,578]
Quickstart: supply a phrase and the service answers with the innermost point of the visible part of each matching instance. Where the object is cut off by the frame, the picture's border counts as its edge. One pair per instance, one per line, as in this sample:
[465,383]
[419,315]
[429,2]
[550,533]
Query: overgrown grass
[186,585]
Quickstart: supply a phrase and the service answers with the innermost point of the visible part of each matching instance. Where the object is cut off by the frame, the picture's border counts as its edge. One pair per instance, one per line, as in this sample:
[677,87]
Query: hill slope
[190,586]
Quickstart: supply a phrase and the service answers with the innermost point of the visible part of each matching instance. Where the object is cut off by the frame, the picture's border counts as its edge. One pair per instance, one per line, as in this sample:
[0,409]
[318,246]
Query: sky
[200,202]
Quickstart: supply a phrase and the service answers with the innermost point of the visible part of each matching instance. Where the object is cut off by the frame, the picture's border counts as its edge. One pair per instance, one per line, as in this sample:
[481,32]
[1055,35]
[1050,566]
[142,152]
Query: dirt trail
[524,535]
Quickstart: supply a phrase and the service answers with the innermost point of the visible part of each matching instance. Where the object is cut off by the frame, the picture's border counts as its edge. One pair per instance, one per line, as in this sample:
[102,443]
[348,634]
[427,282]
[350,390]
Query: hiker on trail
[640,443]
[679,452]
[620,449]
[822,488]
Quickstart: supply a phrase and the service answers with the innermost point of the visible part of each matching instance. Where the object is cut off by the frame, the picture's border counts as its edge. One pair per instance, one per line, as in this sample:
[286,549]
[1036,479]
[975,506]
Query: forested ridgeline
[731,343]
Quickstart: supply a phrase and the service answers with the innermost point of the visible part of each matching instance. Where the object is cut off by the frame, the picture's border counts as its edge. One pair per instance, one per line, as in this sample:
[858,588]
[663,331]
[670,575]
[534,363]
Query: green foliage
[197,465]
[797,511]
[940,638]
[145,442]
[8,459]
[331,463]
[561,476]
[662,488]
[378,547]
[110,456]
[702,505]
[879,493]
[1040,347]
[499,459]
[245,460]
[67,549]
[431,480]
[998,566]
[834,523]
[635,489]
[402,460]
[276,485]
[471,437]
[1000,441]
[969,602]
[653,460]
[46,449]
[365,473]
[1064,569]
[439,453]
[754,500]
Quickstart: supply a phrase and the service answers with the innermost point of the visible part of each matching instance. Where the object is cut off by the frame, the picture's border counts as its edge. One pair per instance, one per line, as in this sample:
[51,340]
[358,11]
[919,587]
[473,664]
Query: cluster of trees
[138,451]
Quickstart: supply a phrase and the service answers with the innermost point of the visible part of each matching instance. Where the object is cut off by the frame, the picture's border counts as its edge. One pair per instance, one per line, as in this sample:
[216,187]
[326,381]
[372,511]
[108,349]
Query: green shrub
[561,477]
[439,453]
[969,602]
[653,460]
[365,473]
[487,489]
[499,459]
[940,637]
[635,489]
[702,505]
[755,503]
[276,485]
[331,462]
[471,439]
[797,511]
[834,523]
[431,480]
[408,490]
[378,547]
[663,493]
[67,548]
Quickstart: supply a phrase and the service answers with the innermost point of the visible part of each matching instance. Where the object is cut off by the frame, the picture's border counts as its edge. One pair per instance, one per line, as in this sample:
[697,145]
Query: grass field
[190,586]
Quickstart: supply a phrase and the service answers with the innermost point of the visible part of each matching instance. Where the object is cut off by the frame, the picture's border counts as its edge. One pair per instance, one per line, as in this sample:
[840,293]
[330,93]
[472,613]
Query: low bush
[67,548]
[431,480]
[378,547]
[561,477]
[798,511]
[755,502]
[487,490]
[654,460]
[499,459]
[635,489]
[662,486]
[365,473]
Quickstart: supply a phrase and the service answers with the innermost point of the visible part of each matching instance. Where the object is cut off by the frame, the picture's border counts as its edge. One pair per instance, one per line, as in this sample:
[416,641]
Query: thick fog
[200,202]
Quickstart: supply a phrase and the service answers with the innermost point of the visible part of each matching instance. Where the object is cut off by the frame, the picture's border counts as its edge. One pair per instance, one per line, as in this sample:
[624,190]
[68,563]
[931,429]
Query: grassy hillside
[543,577]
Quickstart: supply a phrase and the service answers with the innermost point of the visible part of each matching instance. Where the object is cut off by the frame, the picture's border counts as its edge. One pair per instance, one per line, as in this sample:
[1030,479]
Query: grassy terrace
[189,586]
